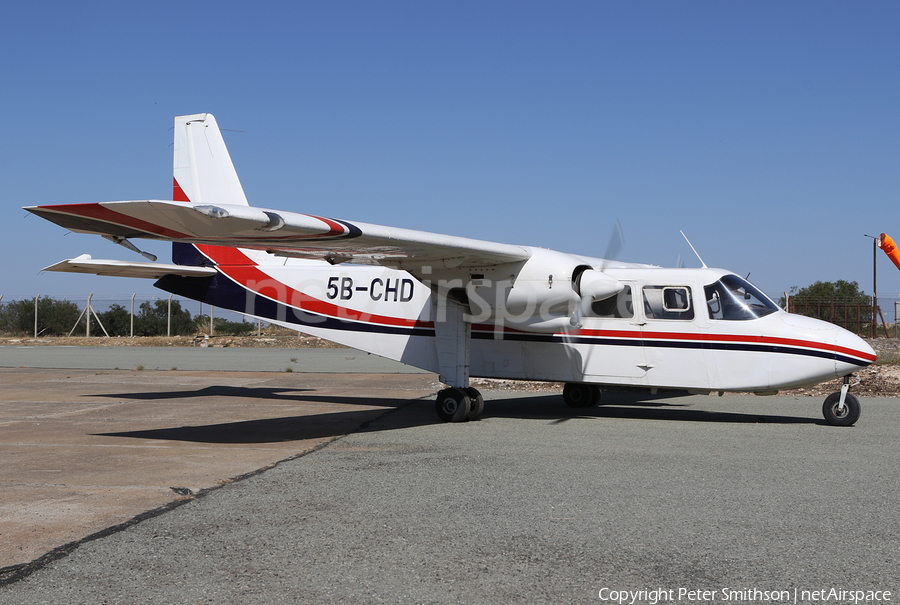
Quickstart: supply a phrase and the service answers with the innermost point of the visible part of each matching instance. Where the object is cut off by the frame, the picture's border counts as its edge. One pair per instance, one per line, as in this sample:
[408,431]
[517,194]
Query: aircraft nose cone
[851,353]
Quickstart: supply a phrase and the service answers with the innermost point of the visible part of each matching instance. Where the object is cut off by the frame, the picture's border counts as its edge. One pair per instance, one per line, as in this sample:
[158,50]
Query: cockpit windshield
[735,299]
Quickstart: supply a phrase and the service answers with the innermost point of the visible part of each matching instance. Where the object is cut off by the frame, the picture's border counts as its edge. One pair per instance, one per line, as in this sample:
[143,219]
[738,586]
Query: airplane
[462,307]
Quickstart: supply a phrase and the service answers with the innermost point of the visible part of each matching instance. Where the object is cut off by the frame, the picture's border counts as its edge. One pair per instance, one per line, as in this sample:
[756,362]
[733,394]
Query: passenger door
[672,335]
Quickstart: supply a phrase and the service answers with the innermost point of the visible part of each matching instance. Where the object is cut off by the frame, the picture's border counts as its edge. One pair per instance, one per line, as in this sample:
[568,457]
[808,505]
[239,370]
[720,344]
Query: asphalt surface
[535,503]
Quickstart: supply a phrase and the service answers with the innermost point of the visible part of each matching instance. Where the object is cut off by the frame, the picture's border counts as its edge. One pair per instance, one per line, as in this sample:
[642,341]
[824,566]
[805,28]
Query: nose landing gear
[842,408]
[580,395]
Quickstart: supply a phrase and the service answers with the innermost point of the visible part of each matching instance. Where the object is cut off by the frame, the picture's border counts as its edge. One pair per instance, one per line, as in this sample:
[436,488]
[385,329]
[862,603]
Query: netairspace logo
[742,595]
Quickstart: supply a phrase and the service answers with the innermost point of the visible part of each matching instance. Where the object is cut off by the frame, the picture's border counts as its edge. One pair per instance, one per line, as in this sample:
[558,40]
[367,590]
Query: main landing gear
[580,395]
[459,404]
[841,408]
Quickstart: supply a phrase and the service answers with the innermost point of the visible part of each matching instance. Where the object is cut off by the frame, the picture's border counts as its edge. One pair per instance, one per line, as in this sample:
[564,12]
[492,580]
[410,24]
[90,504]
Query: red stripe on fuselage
[243,271]
[733,338]
[763,340]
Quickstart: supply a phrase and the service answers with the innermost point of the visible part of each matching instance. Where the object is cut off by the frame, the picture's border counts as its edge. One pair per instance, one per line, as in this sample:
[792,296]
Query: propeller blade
[616,241]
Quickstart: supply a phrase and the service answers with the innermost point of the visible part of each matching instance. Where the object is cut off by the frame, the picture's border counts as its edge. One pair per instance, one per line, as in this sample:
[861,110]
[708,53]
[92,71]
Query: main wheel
[845,417]
[577,395]
[477,403]
[453,405]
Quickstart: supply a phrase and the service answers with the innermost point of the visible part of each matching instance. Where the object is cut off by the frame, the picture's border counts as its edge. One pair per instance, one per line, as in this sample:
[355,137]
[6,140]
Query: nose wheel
[841,408]
[580,395]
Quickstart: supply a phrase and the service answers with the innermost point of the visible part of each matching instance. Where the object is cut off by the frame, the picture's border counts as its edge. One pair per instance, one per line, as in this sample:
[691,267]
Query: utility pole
[874,288]
[874,285]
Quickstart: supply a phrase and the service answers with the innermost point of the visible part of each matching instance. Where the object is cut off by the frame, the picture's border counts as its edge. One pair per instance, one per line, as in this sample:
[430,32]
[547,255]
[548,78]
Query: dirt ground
[879,380]
[290,340]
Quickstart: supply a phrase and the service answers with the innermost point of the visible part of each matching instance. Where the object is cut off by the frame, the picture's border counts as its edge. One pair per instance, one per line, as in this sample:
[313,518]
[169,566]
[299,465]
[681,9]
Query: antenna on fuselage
[692,248]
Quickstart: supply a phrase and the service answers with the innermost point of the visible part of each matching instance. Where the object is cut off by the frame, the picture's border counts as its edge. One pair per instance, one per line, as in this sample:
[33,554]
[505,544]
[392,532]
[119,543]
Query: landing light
[212,211]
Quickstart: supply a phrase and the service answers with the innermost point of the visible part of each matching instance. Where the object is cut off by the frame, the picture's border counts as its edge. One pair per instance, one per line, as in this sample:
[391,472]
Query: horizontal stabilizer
[119,268]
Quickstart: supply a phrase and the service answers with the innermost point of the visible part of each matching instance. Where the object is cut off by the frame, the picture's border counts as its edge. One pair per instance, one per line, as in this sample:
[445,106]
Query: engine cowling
[543,295]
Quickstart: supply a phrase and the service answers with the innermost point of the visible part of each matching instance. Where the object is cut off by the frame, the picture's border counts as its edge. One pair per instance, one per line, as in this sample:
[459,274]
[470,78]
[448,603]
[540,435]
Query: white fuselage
[668,330]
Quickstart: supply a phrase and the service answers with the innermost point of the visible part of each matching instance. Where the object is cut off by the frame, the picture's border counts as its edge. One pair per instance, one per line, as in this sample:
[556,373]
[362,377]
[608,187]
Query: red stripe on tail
[178,193]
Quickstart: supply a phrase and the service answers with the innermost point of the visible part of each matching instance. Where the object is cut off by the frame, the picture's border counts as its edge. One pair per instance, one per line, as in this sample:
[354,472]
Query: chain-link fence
[132,316]
[169,316]
[857,315]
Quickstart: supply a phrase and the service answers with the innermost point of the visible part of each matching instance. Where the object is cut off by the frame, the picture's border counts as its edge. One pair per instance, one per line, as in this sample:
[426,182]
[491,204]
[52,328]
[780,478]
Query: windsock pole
[890,248]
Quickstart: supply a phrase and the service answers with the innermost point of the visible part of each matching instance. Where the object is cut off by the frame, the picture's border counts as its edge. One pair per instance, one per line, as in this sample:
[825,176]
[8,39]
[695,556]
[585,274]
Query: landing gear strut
[841,408]
[459,405]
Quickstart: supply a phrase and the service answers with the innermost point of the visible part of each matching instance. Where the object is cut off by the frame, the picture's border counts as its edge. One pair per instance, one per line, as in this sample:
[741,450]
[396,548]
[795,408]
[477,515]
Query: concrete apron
[84,450]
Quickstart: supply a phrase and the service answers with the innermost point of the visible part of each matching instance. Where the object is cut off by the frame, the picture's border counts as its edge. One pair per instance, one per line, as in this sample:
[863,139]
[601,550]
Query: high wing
[279,232]
[118,268]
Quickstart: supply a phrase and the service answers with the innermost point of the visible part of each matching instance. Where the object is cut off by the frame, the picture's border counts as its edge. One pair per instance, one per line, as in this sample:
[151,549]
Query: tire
[851,410]
[453,405]
[477,403]
[598,395]
[577,395]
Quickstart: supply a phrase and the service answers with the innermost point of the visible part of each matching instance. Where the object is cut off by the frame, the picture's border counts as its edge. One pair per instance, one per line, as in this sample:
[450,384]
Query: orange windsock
[890,248]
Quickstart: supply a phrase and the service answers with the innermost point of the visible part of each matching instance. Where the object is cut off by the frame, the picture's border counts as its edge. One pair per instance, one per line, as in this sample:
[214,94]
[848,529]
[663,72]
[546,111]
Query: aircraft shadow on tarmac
[268,430]
[279,394]
[313,426]
[265,430]
[630,406]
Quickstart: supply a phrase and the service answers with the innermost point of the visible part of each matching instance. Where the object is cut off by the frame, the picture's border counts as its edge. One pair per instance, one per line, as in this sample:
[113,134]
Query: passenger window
[668,302]
[620,306]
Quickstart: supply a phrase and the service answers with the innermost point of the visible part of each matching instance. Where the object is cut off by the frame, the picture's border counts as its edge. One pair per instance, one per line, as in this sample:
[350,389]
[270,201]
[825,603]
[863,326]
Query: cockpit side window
[668,302]
[735,299]
[619,306]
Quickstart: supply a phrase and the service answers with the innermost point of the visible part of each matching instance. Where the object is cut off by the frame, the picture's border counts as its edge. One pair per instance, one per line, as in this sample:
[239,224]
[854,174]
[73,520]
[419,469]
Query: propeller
[594,284]
[616,241]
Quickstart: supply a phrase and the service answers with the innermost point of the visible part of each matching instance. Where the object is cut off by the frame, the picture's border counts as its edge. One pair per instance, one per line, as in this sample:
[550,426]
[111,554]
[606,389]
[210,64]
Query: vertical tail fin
[203,170]
[203,173]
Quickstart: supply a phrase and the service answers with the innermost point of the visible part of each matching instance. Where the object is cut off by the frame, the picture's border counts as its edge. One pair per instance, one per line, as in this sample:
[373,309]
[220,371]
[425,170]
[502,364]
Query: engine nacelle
[541,295]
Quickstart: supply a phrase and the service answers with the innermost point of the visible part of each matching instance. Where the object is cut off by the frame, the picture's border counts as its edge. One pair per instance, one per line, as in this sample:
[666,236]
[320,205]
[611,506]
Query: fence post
[169,318]
[896,315]
[35,314]
[212,328]
[87,329]
[132,314]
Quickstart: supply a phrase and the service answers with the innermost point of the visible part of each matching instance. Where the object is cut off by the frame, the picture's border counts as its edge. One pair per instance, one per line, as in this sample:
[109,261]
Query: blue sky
[768,131]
